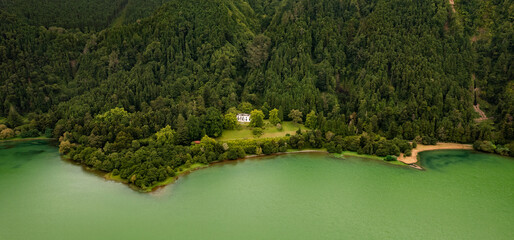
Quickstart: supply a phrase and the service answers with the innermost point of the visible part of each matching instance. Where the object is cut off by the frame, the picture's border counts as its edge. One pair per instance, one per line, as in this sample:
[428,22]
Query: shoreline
[413,159]
[26,139]
[197,166]
[402,161]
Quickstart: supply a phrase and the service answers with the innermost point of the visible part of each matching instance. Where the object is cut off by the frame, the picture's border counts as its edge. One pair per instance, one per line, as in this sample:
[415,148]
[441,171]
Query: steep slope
[405,62]
[397,68]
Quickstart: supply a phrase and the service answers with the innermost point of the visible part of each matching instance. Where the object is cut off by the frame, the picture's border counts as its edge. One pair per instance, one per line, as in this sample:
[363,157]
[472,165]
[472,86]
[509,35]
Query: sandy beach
[440,146]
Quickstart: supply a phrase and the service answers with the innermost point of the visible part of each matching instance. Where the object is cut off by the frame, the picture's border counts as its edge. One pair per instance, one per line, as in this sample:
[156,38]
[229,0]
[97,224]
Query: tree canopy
[131,82]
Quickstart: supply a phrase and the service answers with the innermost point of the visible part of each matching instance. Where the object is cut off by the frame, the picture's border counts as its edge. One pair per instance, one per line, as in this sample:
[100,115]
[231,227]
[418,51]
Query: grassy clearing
[270,131]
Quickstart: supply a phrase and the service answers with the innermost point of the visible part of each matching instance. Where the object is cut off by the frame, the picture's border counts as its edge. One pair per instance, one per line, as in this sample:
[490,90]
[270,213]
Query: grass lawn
[270,131]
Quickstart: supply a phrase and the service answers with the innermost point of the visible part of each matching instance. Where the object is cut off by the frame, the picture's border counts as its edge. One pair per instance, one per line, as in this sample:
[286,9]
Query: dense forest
[127,86]
[86,15]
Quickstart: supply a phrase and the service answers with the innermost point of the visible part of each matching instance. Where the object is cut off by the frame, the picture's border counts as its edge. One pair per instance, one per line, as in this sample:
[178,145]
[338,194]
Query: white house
[243,117]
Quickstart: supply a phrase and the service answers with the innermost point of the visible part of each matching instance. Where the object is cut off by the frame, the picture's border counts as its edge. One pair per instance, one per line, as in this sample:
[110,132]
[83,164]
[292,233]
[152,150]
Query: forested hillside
[87,15]
[372,70]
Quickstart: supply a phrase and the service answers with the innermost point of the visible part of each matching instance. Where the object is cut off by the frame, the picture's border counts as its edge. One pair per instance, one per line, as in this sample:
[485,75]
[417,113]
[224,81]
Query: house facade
[243,117]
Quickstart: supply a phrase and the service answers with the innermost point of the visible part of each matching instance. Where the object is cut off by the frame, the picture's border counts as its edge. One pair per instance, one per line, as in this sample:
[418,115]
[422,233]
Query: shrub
[30,133]
[408,153]
[390,158]
[257,131]
[256,118]
[7,133]
[427,140]
[510,146]
[48,132]
[65,147]
[484,146]
[502,150]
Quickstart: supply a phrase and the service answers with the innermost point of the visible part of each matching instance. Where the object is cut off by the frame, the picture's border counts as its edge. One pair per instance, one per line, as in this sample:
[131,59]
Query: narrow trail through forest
[480,112]
[476,105]
[452,3]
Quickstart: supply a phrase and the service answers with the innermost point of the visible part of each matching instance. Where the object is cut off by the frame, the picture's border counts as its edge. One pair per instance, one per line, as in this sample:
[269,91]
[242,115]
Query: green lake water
[461,195]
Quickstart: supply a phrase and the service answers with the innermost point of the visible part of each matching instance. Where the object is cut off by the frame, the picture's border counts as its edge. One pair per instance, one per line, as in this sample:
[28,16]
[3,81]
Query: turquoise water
[461,195]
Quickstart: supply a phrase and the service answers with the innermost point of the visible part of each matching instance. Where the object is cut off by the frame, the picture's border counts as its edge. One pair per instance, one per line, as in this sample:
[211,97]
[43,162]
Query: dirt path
[440,146]
[452,3]
[480,112]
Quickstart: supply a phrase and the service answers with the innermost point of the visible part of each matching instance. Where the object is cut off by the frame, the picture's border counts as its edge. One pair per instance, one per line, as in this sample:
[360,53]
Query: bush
[257,131]
[502,150]
[408,153]
[115,172]
[427,140]
[7,133]
[332,147]
[390,158]
[279,126]
[510,146]
[235,153]
[48,132]
[30,133]
[484,146]
[414,144]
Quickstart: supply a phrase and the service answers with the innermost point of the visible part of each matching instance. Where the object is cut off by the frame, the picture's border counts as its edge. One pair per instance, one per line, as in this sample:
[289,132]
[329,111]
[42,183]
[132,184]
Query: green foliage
[390,158]
[273,117]
[408,153]
[373,74]
[484,146]
[311,120]
[510,146]
[29,133]
[213,122]
[256,118]
[257,131]
[13,118]
[296,116]
[86,15]
[258,51]
[427,140]
[230,121]
[165,136]
[265,110]
[7,133]
[245,107]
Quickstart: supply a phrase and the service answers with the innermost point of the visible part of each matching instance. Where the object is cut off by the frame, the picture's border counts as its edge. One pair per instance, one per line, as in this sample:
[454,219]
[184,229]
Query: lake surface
[461,195]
